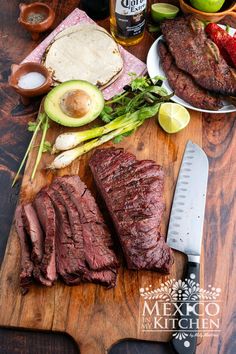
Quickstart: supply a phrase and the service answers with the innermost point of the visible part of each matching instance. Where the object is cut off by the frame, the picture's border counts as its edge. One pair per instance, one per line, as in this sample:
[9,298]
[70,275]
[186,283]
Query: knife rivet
[187,344]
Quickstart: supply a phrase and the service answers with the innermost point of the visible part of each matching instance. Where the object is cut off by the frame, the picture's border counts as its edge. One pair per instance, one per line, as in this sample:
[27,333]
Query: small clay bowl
[208,16]
[38,8]
[19,70]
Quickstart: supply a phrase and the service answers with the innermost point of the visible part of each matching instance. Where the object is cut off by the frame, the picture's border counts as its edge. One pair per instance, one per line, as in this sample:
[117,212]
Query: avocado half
[74,103]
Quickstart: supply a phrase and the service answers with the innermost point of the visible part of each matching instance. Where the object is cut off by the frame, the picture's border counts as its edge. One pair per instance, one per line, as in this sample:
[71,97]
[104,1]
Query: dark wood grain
[219,142]
[26,342]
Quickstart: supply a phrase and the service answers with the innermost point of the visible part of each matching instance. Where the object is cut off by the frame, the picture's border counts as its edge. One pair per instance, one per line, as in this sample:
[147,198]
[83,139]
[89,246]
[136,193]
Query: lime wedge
[173,117]
[162,11]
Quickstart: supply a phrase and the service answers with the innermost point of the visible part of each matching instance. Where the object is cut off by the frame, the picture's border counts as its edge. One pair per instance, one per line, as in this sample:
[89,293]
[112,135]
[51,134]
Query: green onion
[124,125]
[41,148]
[68,141]
[36,129]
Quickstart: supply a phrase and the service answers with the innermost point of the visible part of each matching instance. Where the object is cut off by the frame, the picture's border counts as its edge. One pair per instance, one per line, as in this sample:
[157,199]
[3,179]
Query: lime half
[173,117]
[162,11]
[207,5]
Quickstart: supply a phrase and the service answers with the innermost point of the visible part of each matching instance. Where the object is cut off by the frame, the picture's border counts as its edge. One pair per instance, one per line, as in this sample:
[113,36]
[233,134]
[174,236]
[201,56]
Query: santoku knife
[186,228]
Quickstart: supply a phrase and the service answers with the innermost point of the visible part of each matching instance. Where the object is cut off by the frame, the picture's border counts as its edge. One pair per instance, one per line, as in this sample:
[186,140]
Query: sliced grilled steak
[84,257]
[197,55]
[69,250]
[35,232]
[133,193]
[98,245]
[47,217]
[183,84]
[103,277]
[26,263]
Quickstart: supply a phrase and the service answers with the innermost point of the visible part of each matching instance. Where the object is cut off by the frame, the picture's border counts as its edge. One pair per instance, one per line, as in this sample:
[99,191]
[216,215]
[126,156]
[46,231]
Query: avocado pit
[75,103]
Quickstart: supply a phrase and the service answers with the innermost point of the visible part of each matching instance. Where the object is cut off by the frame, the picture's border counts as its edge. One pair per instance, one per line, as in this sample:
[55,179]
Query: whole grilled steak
[133,193]
[197,55]
[26,263]
[183,84]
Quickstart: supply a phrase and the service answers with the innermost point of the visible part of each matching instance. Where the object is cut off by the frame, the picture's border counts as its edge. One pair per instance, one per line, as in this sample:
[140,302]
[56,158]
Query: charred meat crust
[183,84]
[26,263]
[47,218]
[63,232]
[133,193]
[35,232]
[97,260]
[197,55]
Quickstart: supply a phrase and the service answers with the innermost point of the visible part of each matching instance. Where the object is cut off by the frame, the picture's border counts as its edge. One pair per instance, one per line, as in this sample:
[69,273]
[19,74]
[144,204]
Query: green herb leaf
[108,109]
[32,126]
[118,139]
[139,83]
[45,125]
[47,146]
[157,78]
[128,133]
[105,117]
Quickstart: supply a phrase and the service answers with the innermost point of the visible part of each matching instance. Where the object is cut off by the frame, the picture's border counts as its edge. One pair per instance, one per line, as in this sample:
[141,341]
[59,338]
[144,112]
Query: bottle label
[130,17]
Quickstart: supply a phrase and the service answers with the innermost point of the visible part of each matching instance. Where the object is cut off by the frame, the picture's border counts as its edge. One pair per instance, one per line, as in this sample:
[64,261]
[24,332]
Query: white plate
[154,68]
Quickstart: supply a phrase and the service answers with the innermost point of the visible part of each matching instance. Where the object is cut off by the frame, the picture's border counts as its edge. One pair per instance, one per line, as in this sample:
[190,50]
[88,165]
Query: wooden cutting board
[95,317]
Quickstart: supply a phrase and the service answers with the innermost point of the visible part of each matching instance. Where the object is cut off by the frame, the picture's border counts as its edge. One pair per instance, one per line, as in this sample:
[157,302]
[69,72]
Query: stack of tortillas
[84,52]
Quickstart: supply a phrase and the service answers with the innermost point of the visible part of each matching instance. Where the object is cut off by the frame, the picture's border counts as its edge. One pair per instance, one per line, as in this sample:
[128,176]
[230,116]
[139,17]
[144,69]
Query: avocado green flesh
[53,99]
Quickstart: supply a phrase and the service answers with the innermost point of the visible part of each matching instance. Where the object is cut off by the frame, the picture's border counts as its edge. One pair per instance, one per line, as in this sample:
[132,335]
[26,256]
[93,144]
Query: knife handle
[188,316]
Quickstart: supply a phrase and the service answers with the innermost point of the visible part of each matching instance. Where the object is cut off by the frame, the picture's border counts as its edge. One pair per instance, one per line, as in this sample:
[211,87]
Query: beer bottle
[127,20]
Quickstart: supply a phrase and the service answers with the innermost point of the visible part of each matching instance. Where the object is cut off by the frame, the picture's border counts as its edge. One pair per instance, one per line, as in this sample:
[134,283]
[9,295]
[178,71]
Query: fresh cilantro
[158,78]
[105,115]
[47,146]
[139,83]
[118,139]
[128,133]
[45,125]
[32,126]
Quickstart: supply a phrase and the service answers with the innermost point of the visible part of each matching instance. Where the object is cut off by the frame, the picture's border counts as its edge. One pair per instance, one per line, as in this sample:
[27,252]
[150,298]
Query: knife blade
[188,207]
[185,232]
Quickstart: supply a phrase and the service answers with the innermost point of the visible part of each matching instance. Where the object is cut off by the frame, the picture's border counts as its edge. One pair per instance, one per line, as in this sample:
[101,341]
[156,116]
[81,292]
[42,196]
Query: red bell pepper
[230,47]
[225,42]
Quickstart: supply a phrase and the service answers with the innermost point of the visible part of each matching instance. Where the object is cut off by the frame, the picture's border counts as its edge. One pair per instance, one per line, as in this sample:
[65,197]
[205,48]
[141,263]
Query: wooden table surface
[219,142]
